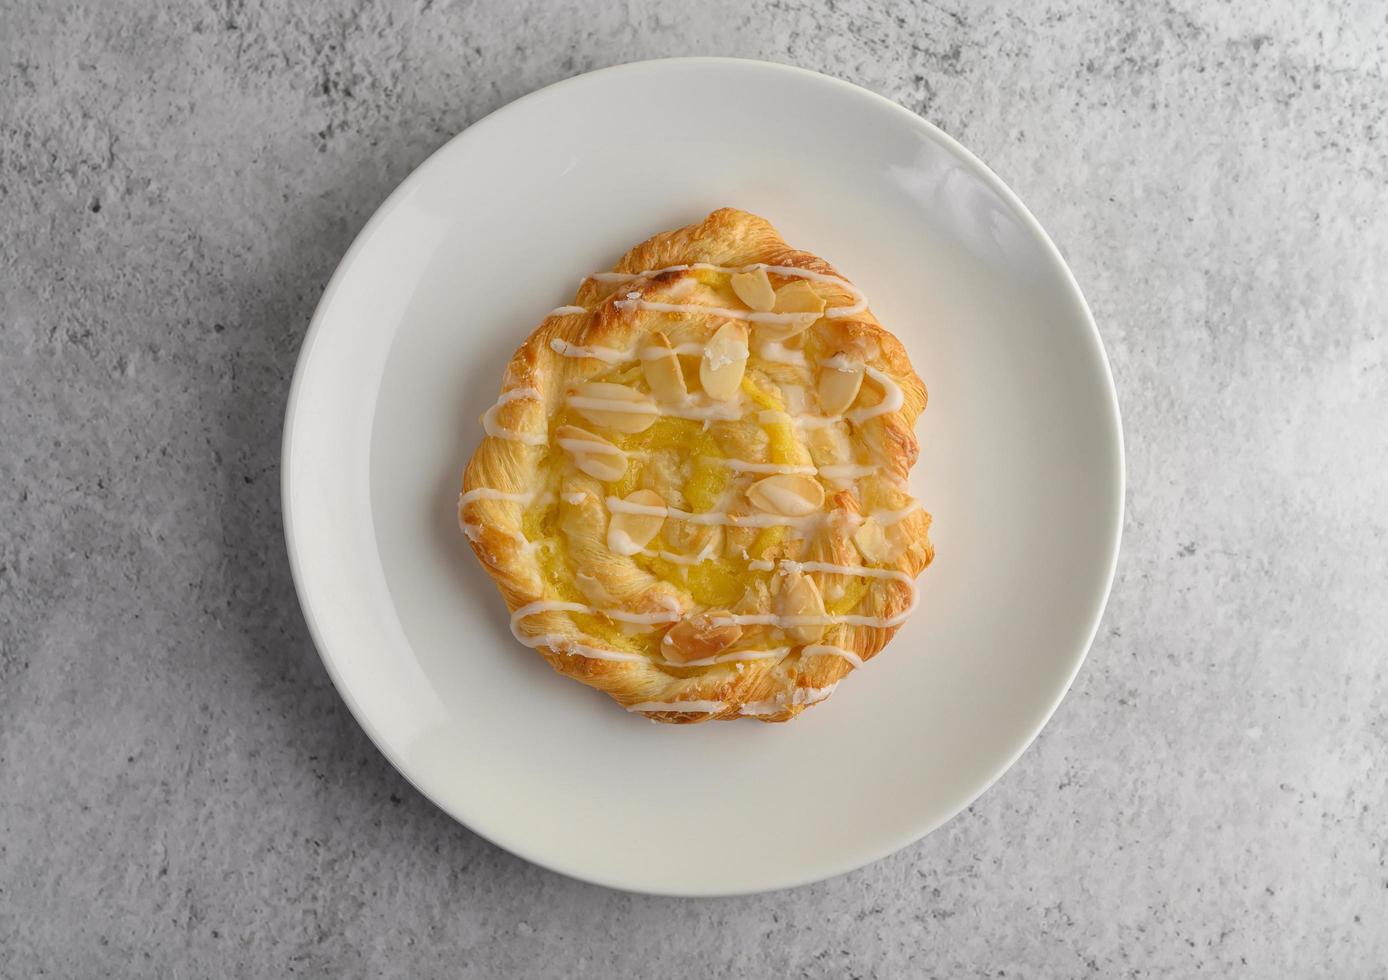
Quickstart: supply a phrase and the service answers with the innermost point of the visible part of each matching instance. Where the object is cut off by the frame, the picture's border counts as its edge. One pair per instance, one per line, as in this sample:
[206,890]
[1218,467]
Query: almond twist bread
[692,490]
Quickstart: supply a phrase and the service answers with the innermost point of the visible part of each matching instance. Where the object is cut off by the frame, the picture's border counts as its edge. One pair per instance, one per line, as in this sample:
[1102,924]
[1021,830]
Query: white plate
[1022,467]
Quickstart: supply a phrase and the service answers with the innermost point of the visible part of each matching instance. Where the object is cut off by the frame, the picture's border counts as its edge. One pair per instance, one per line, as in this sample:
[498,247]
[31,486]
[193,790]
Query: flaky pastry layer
[692,489]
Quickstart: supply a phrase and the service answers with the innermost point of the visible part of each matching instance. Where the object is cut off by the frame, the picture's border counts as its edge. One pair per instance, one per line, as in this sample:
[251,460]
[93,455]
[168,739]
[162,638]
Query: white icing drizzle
[681,287]
[886,518]
[744,466]
[568,646]
[672,613]
[861,571]
[891,398]
[655,306]
[487,493]
[613,355]
[629,276]
[790,272]
[675,559]
[564,644]
[689,707]
[610,355]
[738,656]
[778,353]
[782,622]
[560,643]
[709,553]
[688,409]
[496,431]
[722,518]
[690,347]
[774,416]
[574,498]
[833,471]
[800,696]
[712,517]
[567,310]
[817,649]
[858,571]
[834,312]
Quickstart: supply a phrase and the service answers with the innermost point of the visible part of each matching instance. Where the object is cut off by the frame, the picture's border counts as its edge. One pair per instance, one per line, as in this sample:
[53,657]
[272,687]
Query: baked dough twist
[692,490]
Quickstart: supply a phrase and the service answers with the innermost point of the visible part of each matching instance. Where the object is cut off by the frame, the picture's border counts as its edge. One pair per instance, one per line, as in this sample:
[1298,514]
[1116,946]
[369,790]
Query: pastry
[692,489]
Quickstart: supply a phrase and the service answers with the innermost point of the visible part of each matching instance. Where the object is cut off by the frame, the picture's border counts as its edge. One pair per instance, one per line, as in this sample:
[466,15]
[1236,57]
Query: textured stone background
[183,794]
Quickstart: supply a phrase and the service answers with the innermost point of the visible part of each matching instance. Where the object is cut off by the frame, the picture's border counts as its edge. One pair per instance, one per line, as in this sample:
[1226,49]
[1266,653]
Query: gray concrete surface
[183,795]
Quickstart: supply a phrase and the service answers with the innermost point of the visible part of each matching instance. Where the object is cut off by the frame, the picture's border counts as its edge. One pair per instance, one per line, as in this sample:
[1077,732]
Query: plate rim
[831,869]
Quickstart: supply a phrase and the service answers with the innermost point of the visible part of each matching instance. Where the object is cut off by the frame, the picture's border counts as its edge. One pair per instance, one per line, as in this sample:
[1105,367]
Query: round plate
[1021,465]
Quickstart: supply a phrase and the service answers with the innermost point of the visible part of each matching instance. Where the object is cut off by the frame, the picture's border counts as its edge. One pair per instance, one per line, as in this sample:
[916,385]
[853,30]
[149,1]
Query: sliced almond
[614,406]
[796,324]
[697,638]
[838,388]
[799,597]
[592,454]
[724,361]
[798,296]
[800,304]
[787,494]
[871,539]
[755,290]
[662,369]
[629,533]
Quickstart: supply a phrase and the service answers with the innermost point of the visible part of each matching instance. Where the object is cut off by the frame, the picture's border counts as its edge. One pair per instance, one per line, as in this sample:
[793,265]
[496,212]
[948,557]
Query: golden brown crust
[539,518]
